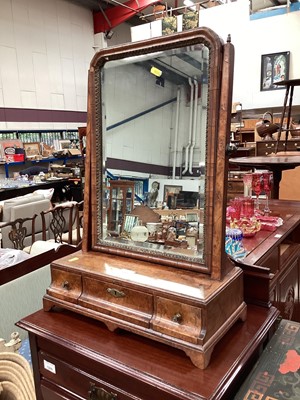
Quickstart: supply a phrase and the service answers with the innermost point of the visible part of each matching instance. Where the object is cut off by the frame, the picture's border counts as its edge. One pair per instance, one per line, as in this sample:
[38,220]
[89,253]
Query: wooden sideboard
[78,358]
[267,147]
[272,266]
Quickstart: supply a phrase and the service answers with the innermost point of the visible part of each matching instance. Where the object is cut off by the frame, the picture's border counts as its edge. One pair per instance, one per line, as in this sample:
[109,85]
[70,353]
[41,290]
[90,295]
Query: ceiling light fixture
[155,71]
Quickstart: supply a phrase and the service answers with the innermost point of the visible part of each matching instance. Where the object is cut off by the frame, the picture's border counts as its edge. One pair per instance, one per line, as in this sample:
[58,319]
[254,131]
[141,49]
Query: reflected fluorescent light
[155,71]
[190,4]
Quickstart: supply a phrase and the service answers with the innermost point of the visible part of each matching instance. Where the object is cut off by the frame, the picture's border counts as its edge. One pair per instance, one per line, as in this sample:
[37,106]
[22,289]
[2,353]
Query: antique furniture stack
[139,320]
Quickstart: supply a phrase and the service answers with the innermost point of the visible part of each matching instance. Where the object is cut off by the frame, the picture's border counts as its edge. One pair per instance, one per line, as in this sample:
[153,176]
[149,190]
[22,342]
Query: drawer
[61,378]
[52,392]
[235,186]
[118,301]
[65,285]
[178,320]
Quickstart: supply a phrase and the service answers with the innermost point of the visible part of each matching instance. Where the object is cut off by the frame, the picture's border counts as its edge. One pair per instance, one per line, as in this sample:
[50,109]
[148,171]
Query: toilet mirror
[153,131]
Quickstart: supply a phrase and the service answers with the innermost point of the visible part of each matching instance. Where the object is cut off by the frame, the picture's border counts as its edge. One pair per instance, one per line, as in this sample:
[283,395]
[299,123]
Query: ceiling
[102,5]
[254,5]
[96,5]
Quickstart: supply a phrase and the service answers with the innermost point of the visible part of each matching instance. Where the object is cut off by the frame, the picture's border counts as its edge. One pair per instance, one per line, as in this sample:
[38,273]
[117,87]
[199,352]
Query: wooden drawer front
[77,382]
[272,260]
[266,148]
[51,392]
[65,285]
[117,301]
[235,186]
[293,145]
[178,320]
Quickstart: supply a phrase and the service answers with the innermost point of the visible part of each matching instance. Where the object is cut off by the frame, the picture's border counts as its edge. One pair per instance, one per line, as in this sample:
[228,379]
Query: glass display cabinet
[121,197]
[148,101]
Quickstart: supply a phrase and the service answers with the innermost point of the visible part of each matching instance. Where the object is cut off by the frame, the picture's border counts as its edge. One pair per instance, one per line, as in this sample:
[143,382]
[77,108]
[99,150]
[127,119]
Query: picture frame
[171,189]
[32,149]
[129,222]
[64,144]
[274,69]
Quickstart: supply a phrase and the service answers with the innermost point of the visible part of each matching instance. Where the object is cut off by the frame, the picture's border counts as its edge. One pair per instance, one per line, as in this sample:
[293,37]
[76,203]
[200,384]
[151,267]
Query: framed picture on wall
[64,144]
[274,69]
[171,190]
[32,149]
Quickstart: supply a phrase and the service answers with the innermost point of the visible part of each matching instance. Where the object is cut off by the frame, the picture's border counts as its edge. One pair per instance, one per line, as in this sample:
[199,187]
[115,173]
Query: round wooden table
[275,163]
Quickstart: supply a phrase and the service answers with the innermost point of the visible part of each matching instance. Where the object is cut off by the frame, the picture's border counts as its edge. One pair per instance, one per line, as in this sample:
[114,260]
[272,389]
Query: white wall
[131,90]
[45,51]
[251,40]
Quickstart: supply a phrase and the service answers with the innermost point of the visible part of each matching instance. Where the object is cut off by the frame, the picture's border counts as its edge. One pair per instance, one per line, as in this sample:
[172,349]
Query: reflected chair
[18,231]
[77,226]
[58,222]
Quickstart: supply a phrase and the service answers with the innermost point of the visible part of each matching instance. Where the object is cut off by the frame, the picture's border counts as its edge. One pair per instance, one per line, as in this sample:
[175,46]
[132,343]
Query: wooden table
[71,353]
[272,265]
[274,163]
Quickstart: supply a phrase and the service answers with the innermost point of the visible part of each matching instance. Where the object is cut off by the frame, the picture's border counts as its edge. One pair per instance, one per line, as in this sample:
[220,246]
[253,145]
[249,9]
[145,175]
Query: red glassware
[257,186]
[267,187]
[247,179]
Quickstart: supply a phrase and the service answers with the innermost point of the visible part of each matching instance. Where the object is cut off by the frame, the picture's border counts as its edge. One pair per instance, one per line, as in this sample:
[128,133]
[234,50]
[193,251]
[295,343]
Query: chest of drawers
[77,358]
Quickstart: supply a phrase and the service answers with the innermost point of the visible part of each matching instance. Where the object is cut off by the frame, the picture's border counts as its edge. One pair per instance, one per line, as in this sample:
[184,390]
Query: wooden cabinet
[121,198]
[235,188]
[169,307]
[272,267]
[75,357]
[267,147]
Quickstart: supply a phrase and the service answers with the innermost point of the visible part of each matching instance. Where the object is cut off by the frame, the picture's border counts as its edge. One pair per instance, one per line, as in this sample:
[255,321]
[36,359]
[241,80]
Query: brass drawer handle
[96,393]
[115,292]
[66,285]
[177,318]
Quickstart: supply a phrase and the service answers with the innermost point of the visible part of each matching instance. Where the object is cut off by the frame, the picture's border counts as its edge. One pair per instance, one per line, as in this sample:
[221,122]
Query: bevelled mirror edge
[218,114]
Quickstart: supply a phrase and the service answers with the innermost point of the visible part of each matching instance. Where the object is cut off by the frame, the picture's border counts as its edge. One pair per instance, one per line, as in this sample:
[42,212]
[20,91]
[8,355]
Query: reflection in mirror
[154,119]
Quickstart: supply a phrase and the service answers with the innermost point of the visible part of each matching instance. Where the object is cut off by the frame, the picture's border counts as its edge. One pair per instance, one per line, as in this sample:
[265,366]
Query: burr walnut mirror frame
[120,79]
[139,103]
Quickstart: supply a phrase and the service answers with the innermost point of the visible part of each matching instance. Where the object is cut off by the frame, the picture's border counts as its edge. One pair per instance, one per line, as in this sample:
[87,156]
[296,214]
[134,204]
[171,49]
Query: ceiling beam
[119,14]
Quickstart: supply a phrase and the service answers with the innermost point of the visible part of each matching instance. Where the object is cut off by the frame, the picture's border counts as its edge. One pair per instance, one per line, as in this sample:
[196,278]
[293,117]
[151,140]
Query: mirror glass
[154,110]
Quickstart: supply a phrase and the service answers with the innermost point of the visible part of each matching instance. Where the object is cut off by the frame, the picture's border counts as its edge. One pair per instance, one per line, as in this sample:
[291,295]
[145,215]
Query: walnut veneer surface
[272,267]
[70,352]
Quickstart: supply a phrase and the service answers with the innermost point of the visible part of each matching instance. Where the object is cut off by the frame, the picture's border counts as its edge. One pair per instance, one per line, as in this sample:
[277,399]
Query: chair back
[58,221]
[77,230]
[18,231]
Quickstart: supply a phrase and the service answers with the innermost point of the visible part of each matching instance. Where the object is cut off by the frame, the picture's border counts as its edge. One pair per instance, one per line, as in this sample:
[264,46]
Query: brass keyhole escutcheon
[115,292]
[66,285]
[177,318]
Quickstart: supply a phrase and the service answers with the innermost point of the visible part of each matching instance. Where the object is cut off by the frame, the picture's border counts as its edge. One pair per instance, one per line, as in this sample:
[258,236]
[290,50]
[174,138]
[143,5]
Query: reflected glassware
[267,187]
[247,179]
[247,210]
[257,186]
[236,206]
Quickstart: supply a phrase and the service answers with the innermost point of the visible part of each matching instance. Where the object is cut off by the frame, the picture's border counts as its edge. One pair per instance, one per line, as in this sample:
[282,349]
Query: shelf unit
[121,198]
[42,136]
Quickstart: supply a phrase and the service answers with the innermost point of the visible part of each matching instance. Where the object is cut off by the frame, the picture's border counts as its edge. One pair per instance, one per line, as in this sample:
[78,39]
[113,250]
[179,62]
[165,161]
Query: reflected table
[275,163]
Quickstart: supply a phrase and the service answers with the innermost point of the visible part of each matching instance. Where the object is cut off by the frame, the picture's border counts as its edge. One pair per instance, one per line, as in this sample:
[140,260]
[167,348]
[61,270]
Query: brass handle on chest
[66,285]
[96,393]
[177,318]
[115,292]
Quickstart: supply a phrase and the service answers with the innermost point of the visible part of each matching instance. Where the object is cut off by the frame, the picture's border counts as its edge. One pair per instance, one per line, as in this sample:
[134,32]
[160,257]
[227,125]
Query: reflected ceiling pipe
[194,126]
[176,131]
[186,166]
